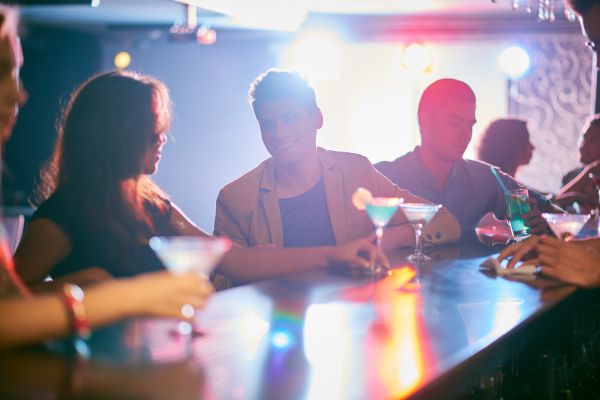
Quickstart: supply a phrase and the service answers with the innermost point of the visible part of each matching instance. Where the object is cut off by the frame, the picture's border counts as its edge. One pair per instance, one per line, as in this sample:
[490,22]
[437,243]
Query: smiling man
[436,169]
[301,196]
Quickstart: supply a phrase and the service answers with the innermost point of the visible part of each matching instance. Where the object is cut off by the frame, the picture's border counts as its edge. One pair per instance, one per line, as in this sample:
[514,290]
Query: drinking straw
[498,179]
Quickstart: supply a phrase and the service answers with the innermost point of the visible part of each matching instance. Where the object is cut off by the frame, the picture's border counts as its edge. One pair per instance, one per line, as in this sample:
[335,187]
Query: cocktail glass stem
[418,245]
[379,236]
[185,330]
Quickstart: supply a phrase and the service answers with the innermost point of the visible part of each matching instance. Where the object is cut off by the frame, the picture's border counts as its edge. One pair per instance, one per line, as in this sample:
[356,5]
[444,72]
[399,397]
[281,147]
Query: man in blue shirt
[437,171]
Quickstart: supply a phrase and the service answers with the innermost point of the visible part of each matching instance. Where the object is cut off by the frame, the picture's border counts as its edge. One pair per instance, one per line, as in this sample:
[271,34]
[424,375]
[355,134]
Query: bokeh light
[514,62]
[318,55]
[282,339]
[122,60]
[417,58]
[206,35]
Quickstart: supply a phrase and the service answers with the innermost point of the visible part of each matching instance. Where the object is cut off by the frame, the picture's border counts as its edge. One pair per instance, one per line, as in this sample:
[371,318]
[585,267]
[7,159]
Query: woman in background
[505,143]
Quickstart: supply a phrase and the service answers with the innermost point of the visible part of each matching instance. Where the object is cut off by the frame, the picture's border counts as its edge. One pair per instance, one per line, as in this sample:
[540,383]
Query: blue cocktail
[380,210]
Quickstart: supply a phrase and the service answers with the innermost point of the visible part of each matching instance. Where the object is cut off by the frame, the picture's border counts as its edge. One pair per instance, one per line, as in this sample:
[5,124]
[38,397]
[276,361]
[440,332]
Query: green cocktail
[517,205]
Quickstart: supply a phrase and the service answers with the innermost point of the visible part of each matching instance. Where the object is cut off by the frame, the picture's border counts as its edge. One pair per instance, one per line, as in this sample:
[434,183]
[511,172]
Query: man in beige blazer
[301,196]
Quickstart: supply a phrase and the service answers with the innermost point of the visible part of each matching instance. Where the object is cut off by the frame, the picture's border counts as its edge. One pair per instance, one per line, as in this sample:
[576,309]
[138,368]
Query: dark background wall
[55,62]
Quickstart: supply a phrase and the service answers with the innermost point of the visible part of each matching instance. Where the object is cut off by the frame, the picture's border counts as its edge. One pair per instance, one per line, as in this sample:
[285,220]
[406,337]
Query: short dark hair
[580,6]
[503,142]
[276,84]
[593,121]
[444,91]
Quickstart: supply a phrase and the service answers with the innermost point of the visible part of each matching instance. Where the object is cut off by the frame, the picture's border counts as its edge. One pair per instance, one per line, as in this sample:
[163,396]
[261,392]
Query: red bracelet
[73,296]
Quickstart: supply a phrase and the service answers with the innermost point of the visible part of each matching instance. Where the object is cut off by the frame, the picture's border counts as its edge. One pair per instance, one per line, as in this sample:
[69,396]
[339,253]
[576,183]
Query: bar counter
[324,334]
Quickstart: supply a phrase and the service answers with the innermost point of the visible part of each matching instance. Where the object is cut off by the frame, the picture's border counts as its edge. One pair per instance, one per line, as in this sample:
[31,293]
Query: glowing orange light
[403,355]
[122,60]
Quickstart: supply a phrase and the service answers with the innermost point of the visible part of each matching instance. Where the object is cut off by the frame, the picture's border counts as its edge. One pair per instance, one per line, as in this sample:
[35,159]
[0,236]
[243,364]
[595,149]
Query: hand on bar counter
[359,253]
[575,262]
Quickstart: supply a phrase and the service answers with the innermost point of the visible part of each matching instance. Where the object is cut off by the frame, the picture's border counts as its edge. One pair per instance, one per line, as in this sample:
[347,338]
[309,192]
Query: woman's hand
[163,294]
[84,278]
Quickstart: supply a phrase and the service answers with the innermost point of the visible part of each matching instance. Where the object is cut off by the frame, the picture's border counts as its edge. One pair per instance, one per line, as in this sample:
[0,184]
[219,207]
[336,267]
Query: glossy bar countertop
[324,334]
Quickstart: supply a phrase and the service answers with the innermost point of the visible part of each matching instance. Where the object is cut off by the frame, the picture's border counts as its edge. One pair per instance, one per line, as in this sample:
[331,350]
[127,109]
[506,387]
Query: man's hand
[525,250]
[574,262]
[534,220]
[569,262]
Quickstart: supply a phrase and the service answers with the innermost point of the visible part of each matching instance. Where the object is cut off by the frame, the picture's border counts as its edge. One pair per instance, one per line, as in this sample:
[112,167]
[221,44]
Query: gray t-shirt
[305,219]
[470,193]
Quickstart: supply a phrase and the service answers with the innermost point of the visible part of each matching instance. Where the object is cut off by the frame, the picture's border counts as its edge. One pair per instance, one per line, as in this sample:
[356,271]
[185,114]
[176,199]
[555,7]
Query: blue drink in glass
[381,210]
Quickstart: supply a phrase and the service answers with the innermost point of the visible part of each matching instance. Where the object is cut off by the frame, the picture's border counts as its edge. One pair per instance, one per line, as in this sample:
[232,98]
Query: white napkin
[491,264]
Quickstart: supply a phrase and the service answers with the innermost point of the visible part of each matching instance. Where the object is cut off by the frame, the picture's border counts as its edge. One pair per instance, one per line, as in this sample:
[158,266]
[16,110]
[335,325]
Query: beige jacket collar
[334,192]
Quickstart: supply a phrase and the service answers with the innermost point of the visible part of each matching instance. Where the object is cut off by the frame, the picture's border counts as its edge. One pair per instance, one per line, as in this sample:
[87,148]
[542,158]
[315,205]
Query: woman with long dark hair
[99,205]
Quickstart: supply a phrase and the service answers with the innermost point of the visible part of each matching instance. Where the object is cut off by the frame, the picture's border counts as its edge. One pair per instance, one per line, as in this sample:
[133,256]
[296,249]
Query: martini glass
[566,226]
[184,254]
[419,215]
[381,210]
